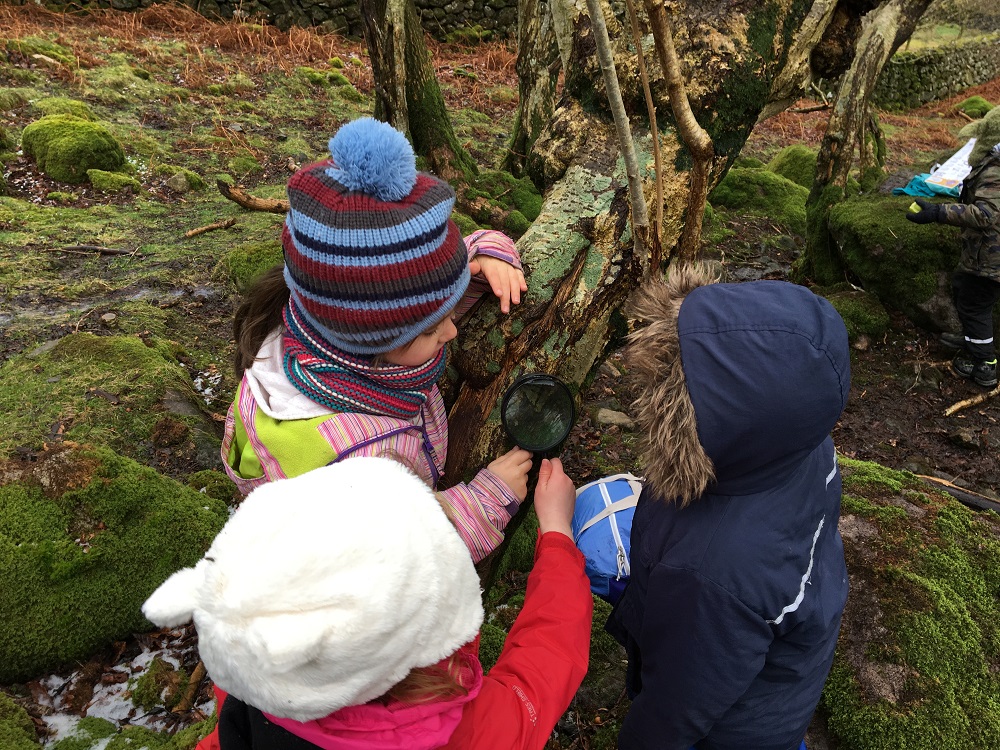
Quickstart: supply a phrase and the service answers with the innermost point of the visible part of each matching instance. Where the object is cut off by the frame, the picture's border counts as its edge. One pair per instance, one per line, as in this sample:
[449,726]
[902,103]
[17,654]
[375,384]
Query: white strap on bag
[610,508]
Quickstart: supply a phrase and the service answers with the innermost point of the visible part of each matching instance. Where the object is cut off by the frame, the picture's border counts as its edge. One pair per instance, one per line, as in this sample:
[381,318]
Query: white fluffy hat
[325,590]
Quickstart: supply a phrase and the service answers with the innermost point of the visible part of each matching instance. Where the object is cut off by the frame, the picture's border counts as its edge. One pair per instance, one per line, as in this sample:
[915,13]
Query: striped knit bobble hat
[372,256]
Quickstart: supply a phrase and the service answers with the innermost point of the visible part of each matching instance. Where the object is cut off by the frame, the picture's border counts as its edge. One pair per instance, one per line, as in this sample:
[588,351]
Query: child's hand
[506,281]
[555,498]
[512,467]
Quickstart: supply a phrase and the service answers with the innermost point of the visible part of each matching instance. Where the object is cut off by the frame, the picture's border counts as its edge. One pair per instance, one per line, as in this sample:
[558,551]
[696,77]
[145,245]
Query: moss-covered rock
[915,664]
[30,46]
[85,536]
[214,484]
[193,179]
[906,266]
[491,640]
[761,192]
[11,99]
[159,685]
[17,731]
[65,147]
[244,263]
[63,105]
[796,163]
[113,182]
[975,107]
[863,314]
[109,390]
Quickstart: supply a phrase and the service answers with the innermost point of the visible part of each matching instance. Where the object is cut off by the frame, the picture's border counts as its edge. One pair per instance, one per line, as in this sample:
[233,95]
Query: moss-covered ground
[116,333]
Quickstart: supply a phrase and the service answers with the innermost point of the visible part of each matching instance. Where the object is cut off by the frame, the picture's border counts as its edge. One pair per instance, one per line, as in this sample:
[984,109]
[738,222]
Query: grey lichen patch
[65,147]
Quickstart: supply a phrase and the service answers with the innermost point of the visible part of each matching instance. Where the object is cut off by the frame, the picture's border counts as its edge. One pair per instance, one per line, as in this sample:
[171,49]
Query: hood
[740,382]
[394,725]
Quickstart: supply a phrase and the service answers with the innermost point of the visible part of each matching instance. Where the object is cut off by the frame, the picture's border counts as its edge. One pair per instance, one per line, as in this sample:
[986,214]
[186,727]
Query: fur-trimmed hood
[738,383]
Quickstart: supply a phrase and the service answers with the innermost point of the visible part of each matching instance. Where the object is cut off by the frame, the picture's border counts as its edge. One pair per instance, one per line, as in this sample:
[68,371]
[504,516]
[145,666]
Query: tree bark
[537,74]
[579,253]
[407,92]
[883,30]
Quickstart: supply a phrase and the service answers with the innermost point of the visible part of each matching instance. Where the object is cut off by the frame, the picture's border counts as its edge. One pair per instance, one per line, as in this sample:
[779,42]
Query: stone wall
[915,78]
[439,17]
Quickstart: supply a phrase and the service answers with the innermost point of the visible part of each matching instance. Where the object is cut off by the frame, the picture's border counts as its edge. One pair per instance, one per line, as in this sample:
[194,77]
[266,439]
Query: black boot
[979,371]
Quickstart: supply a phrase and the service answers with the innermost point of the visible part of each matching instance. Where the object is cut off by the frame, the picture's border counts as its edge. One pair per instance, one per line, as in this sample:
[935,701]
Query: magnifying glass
[537,411]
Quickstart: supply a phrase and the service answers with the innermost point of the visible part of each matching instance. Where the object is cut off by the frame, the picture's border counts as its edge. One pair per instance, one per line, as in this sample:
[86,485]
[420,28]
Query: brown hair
[258,315]
[426,684]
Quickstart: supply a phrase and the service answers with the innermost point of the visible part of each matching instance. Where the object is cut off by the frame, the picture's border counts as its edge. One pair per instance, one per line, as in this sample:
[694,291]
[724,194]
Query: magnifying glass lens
[538,413]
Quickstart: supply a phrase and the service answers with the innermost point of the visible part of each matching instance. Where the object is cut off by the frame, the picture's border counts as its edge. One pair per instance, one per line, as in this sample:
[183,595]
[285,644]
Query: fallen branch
[92,249]
[964,496]
[242,198]
[977,399]
[208,228]
[814,108]
[185,703]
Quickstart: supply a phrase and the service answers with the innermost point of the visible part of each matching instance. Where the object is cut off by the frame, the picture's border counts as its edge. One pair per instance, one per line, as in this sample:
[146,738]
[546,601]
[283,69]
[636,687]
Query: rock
[178,183]
[66,147]
[963,437]
[109,317]
[611,417]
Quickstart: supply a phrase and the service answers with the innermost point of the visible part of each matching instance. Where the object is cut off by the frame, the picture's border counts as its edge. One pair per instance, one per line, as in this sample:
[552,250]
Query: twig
[818,90]
[242,198]
[814,108]
[76,328]
[967,116]
[185,703]
[208,228]
[965,496]
[977,399]
[93,249]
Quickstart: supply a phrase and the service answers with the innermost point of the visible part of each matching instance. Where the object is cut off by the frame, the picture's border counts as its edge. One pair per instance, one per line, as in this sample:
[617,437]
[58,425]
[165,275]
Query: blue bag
[602,524]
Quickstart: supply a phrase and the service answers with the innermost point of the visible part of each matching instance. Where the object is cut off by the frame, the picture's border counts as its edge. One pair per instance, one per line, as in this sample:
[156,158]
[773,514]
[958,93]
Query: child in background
[340,349]
[738,579]
[976,281]
[340,610]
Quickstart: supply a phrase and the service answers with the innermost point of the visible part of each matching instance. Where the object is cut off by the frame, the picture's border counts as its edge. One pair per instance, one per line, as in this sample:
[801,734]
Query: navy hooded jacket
[732,613]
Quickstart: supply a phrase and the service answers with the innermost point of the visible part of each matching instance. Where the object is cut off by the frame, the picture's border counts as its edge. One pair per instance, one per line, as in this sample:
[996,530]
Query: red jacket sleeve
[543,661]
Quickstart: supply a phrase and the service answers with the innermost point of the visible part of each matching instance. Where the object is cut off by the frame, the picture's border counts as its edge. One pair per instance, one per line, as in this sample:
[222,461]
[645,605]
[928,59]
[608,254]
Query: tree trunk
[884,29]
[537,74]
[579,252]
[407,93]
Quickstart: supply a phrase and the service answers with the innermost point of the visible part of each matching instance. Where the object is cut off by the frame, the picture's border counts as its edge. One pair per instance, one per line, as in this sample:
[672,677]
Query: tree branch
[240,197]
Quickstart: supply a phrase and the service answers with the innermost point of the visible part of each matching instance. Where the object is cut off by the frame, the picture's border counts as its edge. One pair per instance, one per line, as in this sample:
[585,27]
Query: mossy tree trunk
[580,252]
[883,31]
[537,74]
[407,93]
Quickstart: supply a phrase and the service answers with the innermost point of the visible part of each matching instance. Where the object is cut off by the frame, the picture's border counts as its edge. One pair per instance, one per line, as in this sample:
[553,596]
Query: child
[340,609]
[738,579]
[976,282]
[341,349]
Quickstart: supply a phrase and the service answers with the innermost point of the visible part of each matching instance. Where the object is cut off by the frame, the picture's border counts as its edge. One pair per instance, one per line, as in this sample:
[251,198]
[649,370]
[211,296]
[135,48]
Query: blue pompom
[373,157]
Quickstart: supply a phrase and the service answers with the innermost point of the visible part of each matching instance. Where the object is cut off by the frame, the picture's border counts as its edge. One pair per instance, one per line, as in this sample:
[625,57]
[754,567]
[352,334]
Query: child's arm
[544,658]
[483,507]
[495,265]
[984,211]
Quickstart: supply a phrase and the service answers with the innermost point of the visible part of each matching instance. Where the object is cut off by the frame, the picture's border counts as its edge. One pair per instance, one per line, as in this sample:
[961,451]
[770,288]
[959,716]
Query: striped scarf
[346,383]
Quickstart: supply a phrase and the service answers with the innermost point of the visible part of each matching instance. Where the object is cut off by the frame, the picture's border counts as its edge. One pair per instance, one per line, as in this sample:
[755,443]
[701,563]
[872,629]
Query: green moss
[335,62]
[469,36]
[244,263]
[60,197]
[17,730]
[761,192]
[899,262]
[107,390]
[159,685]
[88,733]
[795,163]
[238,83]
[863,314]
[244,165]
[491,640]
[864,477]
[62,105]
[65,147]
[11,99]
[466,224]
[79,555]
[975,107]
[33,45]
[516,224]
[323,78]
[338,79]
[214,484]
[748,162]
[118,83]
[113,182]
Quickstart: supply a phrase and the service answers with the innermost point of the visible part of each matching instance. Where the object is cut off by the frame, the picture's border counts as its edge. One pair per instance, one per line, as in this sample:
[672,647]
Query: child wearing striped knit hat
[339,350]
